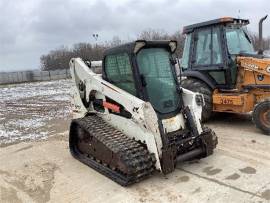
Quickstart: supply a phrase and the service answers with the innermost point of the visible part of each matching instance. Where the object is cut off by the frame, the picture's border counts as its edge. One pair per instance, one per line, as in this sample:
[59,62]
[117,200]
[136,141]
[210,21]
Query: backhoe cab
[219,61]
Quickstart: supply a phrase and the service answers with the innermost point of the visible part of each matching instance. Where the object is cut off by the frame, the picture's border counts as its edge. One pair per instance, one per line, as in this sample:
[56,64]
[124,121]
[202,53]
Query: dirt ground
[42,169]
[34,111]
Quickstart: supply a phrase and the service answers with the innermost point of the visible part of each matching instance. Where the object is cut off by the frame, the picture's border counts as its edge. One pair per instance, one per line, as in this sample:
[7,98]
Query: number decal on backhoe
[226,101]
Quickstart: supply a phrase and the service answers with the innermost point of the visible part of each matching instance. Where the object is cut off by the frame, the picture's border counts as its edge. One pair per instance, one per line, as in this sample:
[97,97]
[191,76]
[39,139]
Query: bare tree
[59,58]
[180,38]
[255,41]
[152,34]
[56,59]
[87,51]
[116,41]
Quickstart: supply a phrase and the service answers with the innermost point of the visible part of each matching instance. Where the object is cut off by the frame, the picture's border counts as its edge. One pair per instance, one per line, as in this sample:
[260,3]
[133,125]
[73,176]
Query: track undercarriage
[120,158]
[108,151]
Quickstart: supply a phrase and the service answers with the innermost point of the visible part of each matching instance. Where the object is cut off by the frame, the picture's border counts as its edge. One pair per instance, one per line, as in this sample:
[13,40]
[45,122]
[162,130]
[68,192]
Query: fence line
[33,76]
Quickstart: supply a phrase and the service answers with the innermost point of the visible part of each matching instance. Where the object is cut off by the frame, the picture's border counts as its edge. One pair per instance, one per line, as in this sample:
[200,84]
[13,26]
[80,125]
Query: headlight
[268,69]
[138,45]
[173,45]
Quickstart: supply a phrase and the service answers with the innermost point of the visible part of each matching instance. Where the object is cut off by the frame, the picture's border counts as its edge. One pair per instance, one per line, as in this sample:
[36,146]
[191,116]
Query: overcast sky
[31,28]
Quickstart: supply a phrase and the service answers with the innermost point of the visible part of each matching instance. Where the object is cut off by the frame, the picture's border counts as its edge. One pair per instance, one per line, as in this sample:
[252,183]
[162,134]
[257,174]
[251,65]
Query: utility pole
[95,36]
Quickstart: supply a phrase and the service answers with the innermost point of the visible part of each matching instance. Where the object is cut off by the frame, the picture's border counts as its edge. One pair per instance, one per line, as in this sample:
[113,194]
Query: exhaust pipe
[261,35]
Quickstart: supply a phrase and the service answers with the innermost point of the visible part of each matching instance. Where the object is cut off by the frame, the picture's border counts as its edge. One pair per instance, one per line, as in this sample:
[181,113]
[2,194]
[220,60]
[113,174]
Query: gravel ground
[36,166]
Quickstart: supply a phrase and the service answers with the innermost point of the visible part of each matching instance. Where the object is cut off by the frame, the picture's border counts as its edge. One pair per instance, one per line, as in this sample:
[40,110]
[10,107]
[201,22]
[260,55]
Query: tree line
[60,57]
[255,41]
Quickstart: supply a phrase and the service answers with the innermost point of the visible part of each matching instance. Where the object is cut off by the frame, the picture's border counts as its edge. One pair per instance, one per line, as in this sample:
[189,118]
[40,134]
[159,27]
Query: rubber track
[137,157]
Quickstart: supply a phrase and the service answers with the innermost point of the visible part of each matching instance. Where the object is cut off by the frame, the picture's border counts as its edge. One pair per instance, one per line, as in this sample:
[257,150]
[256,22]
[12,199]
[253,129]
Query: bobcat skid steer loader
[135,118]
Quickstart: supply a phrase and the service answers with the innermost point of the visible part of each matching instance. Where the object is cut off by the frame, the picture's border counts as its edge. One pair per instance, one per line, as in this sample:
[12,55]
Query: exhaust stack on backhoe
[261,49]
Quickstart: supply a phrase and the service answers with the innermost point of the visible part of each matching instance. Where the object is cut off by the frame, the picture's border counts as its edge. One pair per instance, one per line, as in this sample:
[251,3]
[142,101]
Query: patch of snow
[61,98]
[26,109]
[28,123]
[26,90]
[4,133]
[15,135]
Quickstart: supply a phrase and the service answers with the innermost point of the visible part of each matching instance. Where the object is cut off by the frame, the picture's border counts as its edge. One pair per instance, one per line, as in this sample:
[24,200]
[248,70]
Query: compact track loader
[135,117]
[219,62]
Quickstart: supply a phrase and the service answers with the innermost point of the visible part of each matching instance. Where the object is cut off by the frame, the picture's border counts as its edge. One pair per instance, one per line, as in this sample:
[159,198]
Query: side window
[203,48]
[217,54]
[208,49]
[218,76]
[119,72]
[185,57]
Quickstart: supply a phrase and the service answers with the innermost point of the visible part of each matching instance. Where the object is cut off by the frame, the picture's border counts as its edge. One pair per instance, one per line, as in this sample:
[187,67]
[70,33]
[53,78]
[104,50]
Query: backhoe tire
[261,116]
[199,86]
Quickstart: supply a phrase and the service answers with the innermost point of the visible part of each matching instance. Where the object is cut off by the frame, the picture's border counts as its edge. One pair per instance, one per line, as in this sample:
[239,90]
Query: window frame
[210,66]
[145,90]
[187,50]
[220,67]
[227,40]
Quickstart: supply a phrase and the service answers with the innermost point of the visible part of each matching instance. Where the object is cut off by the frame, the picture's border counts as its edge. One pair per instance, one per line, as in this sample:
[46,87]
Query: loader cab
[146,70]
[211,48]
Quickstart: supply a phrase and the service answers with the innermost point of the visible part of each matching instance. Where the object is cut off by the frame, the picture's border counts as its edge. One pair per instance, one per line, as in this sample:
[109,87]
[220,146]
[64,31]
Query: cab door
[208,55]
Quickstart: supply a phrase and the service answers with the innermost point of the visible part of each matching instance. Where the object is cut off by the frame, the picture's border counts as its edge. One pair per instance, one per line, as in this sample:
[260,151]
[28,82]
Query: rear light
[138,45]
[226,19]
[173,45]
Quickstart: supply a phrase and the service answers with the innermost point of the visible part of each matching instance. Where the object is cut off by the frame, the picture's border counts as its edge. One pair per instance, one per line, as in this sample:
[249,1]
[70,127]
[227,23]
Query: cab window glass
[119,72]
[185,58]
[203,48]
[156,68]
[216,52]
[238,41]
[208,49]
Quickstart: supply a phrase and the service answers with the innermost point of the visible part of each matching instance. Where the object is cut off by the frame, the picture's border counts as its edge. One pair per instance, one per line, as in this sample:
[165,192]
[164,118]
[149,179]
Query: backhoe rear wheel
[199,86]
[261,116]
